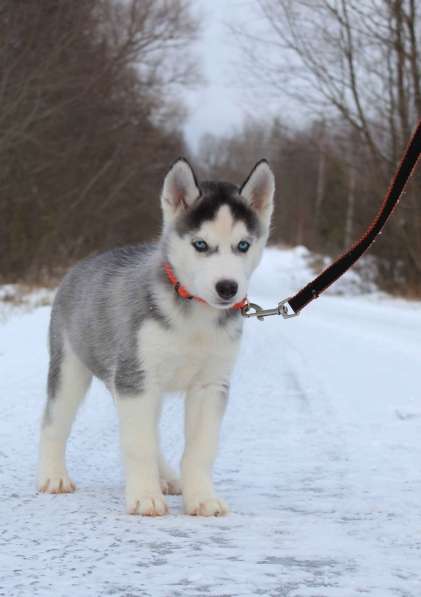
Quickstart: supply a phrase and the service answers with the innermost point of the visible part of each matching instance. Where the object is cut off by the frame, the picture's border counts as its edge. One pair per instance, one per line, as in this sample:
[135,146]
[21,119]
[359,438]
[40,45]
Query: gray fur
[56,349]
[100,306]
[56,352]
[104,300]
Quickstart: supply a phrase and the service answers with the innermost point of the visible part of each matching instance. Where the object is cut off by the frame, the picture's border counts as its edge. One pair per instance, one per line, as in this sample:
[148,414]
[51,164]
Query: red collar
[185,294]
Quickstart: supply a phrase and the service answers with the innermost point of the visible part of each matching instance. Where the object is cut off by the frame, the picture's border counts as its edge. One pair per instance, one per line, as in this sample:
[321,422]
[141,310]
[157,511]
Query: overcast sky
[222,103]
[218,105]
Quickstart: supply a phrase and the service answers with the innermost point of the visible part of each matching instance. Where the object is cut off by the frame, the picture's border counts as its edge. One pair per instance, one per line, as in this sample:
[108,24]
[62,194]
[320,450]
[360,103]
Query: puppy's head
[215,232]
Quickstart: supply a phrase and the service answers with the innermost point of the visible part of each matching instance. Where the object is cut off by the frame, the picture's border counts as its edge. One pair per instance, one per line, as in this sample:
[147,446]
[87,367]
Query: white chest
[178,357]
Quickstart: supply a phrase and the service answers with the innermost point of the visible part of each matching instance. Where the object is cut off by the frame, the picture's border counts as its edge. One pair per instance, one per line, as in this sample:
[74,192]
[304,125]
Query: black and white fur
[116,316]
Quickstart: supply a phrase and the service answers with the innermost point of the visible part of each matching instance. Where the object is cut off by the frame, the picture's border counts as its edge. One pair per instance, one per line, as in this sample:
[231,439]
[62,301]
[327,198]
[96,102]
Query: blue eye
[200,245]
[243,246]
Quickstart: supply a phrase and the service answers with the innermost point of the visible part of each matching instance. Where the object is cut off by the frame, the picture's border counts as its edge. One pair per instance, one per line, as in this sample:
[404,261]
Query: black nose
[226,288]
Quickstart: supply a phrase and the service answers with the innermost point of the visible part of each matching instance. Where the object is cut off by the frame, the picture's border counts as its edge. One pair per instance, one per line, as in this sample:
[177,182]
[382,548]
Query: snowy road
[320,462]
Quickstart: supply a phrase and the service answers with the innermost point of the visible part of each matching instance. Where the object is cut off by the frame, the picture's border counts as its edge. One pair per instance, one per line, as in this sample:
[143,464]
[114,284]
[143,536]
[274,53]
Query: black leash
[292,306]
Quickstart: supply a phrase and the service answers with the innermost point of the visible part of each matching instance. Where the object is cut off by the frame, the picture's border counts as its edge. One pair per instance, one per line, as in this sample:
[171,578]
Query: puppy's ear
[180,189]
[259,188]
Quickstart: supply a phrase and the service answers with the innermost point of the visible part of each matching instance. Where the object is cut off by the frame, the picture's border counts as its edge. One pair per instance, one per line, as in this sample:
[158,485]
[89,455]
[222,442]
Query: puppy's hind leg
[68,382]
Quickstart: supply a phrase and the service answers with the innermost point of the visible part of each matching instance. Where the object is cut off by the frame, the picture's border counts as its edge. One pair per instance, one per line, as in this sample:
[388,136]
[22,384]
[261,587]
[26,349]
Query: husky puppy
[154,318]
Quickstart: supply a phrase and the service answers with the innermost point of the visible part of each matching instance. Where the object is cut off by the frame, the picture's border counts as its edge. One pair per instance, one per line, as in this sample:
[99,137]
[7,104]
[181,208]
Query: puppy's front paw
[55,483]
[171,486]
[205,506]
[146,505]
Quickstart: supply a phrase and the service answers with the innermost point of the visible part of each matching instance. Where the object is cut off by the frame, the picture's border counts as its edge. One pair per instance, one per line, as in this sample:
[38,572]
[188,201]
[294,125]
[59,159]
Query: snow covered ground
[320,462]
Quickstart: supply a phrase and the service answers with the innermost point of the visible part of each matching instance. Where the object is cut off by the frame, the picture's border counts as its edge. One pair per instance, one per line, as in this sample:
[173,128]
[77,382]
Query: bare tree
[359,64]
[321,172]
[359,60]
[90,120]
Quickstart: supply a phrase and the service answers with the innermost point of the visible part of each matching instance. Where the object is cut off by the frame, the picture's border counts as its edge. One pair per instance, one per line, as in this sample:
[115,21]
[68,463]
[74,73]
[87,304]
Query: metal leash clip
[254,310]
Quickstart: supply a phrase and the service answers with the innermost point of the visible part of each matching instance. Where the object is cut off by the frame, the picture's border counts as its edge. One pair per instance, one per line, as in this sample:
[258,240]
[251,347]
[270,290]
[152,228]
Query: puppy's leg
[68,382]
[139,414]
[170,484]
[205,407]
